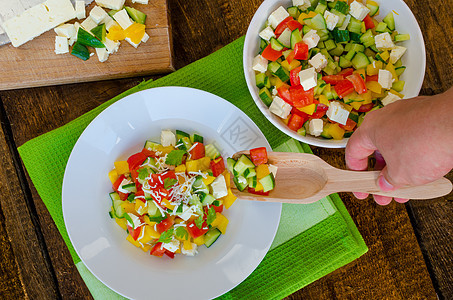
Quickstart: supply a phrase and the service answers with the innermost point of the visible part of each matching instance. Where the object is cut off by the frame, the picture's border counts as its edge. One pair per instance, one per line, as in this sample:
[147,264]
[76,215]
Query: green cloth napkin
[312,240]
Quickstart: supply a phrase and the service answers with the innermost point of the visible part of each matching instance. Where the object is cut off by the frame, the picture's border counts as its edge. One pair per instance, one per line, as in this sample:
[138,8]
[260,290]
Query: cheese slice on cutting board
[37,20]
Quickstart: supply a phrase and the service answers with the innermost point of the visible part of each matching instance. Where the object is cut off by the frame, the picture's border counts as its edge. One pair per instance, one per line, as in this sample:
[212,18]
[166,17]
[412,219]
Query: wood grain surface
[36,64]
[410,246]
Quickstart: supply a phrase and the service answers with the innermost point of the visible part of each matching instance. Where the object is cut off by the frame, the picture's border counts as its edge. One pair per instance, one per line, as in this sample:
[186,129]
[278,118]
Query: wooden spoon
[306,178]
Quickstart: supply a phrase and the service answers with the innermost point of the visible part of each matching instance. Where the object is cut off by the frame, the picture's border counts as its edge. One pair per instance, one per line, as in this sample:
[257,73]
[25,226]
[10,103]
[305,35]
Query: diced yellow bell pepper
[140,207]
[121,222]
[128,207]
[229,199]
[135,32]
[396,93]
[122,167]
[285,65]
[385,55]
[374,86]
[303,16]
[336,131]
[113,176]
[144,236]
[208,180]
[262,171]
[347,107]
[323,99]
[132,241]
[356,105]
[116,33]
[391,69]
[275,81]
[180,169]
[168,204]
[294,64]
[286,121]
[164,150]
[309,109]
[199,240]
[366,97]
[204,163]
[187,245]
[181,179]
[192,166]
[227,176]
[373,69]
[146,247]
[221,222]
[148,221]
[259,187]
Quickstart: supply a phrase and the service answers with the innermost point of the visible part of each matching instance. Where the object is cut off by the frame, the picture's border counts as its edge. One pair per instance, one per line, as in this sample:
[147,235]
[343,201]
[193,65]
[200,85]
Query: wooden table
[410,246]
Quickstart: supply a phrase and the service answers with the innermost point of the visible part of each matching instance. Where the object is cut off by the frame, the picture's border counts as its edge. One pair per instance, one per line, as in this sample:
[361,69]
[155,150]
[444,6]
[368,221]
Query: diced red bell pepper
[164,225]
[284,93]
[300,113]
[194,231]
[148,153]
[168,174]
[271,54]
[346,72]
[217,209]
[294,76]
[282,26]
[134,232]
[258,155]
[300,97]
[217,166]
[158,250]
[294,24]
[369,24]
[116,185]
[333,79]
[296,122]
[366,107]
[252,191]
[358,82]
[372,78]
[197,151]
[320,111]
[290,57]
[169,254]
[301,51]
[135,160]
[350,125]
[344,88]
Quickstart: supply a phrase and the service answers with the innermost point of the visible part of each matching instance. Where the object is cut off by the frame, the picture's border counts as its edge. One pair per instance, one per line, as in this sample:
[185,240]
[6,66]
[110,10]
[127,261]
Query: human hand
[411,139]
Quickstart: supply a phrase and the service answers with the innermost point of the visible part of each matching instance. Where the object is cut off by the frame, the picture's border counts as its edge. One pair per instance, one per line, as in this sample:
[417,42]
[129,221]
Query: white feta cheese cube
[167,138]
[61,45]
[135,221]
[319,62]
[80,9]
[331,20]
[140,1]
[102,54]
[172,246]
[187,212]
[145,38]
[219,187]
[302,4]
[358,10]
[385,79]
[278,16]
[397,53]
[311,39]
[88,24]
[308,78]
[273,169]
[259,64]
[280,108]
[112,4]
[274,92]
[68,31]
[109,23]
[98,14]
[267,33]
[384,41]
[131,42]
[191,252]
[315,127]
[123,19]
[337,113]
[390,98]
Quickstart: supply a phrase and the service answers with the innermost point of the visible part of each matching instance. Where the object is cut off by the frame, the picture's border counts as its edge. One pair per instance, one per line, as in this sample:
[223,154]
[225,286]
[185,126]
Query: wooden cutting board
[36,64]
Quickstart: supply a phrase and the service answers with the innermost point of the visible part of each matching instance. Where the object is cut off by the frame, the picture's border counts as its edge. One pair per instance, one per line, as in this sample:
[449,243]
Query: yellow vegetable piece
[229,199]
[208,180]
[286,121]
[356,105]
[187,245]
[396,93]
[373,69]
[323,99]
[146,247]
[113,176]
[276,81]
[140,207]
[304,16]
[192,166]
[148,221]
[363,27]
[366,97]
[180,169]
[259,186]
[309,109]
[348,107]
[227,175]
[374,86]
[204,163]
[147,233]
[128,207]
[199,240]
[132,241]
[294,64]
[361,72]
[336,131]
[116,33]
[135,32]
[262,171]
[385,55]
[221,222]
[164,150]
[168,204]
[122,167]
[121,222]
[391,69]
[285,65]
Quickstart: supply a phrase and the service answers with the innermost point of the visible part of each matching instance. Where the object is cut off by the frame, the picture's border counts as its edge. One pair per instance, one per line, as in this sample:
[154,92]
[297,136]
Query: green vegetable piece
[199,221]
[166,236]
[136,15]
[182,233]
[85,38]
[99,32]
[80,51]
[169,182]
[112,12]
[211,215]
[174,158]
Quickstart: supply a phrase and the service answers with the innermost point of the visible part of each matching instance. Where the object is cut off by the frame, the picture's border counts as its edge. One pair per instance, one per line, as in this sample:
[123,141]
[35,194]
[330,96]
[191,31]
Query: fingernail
[384,185]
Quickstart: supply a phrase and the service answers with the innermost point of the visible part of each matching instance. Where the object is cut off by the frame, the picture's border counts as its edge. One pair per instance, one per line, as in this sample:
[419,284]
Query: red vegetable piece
[369,24]
[372,78]
[358,82]
[271,54]
[258,155]
[290,57]
[333,79]
[197,151]
[344,88]
[252,191]
[301,51]
[300,113]
[321,110]
[294,76]
[300,97]
[148,153]
[158,250]
[293,25]
[366,107]
[282,26]
[217,166]
[283,92]
[134,232]
[135,160]
[296,122]
[346,72]
[164,225]
[350,125]
[169,254]
[194,231]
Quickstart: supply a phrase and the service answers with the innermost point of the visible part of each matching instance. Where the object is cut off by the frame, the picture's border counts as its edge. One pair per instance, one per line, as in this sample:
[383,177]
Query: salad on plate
[323,65]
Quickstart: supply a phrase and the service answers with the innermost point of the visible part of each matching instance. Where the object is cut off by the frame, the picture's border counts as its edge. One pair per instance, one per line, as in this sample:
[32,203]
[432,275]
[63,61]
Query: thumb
[384,181]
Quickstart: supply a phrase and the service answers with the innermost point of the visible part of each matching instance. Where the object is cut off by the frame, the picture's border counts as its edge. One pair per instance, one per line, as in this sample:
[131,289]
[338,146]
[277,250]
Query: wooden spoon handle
[366,182]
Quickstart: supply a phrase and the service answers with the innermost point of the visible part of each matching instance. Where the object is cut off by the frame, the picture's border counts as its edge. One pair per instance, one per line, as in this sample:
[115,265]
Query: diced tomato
[117,183]
[168,174]
[282,26]
[148,153]
[344,88]
[134,232]
[333,79]
[296,122]
[346,72]
[134,175]
[301,51]
[369,24]
[258,155]
[194,231]
[320,111]
[372,78]
[252,191]
[366,107]
[290,57]
[217,209]
[271,54]
[164,225]
[169,254]
[293,25]
[158,250]
[300,97]
[284,93]
[350,125]
[300,113]
[217,166]
[197,151]
[135,160]
[294,76]
[358,82]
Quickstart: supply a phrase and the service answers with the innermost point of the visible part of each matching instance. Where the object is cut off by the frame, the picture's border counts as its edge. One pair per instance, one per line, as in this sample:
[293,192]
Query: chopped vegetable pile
[170,196]
[253,172]
[324,65]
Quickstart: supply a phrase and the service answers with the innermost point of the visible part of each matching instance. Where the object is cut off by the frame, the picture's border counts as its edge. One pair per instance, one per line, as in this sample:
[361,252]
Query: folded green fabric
[312,240]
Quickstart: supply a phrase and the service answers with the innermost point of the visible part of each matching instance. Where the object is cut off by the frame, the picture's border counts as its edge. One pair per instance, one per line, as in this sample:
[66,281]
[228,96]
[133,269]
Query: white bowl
[414,59]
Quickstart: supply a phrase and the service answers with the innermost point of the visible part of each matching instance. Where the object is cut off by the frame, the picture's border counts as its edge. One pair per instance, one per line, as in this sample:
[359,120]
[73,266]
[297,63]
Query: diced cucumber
[357,47]
[301,131]
[230,164]
[318,21]
[252,182]
[99,32]
[340,15]
[373,9]
[342,7]
[294,12]
[360,61]
[390,21]
[242,164]
[211,151]
[329,45]
[131,188]
[277,70]
[136,15]
[306,29]
[116,203]
[368,52]
[180,134]
[355,26]
[80,51]
[339,49]
[323,35]
[398,86]
[206,199]
[266,96]
[340,36]
[355,37]
[350,55]
[211,236]
[344,62]
[85,38]
[112,12]
[150,145]
[285,38]
[354,116]
[250,172]
[325,131]
[276,45]
[367,39]
[184,143]
[399,71]
[321,45]
[402,37]
[198,184]
[296,37]
[240,182]
[268,182]
[196,138]
[381,27]
[321,8]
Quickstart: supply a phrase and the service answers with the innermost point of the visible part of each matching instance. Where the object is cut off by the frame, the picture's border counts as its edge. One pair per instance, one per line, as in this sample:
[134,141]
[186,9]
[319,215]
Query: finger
[358,149]
[361,196]
[382,200]
[383,183]
[401,200]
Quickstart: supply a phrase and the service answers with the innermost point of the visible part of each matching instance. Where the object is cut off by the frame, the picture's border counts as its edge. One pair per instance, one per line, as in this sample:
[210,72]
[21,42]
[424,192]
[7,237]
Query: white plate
[120,131]
[414,59]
